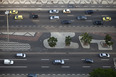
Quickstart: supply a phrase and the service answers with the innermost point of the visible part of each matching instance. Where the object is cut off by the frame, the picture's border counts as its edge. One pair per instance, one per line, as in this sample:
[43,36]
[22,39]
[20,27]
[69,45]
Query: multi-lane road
[44,20]
[42,63]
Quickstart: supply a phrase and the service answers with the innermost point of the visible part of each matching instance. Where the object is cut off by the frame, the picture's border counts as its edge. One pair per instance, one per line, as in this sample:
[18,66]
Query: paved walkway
[57,1]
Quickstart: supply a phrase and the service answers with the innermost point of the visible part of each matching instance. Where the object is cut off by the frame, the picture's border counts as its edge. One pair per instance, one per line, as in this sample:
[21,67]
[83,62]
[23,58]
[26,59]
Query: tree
[52,41]
[100,72]
[108,39]
[67,40]
[86,39]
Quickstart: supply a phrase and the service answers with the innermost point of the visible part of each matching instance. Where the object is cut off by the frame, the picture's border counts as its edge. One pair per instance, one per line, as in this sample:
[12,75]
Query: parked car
[104,55]
[106,18]
[8,62]
[34,16]
[18,17]
[66,11]
[13,12]
[89,12]
[58,62]
[66,22]
[21,55]
[32,75]
[88,60]
[81,17]
[54,17]
[53,11]
[98,23]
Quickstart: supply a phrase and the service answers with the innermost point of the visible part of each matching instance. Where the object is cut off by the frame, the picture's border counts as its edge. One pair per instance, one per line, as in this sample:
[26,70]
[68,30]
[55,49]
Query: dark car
[81,17]
[66,22]
[32,75]
[89,12]
[98,23]
[34,16]
[88,60]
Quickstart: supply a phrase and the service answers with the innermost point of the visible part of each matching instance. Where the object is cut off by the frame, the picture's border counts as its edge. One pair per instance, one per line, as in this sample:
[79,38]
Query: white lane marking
[82,59]
[15,59]
[55,6]
[24,6]
[2,6]
[13,66]
[86,66]
[105,59]
[85,6]
[114,6]
[104,15]
[32,6]
[107,6]
[65,66]
[70,15]
[47,6]
[17,6]
[44,59]
[45,66]
[62,6]
[106,66]
[92,6]
[88,20]
[65,59]
[9,6]
[99,6]
[87,15]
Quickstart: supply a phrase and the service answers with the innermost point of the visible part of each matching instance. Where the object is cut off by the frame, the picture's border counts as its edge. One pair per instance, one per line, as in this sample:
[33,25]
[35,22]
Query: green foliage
[100,72]
[67,40]
[52,41]
[86,38]
[108,40]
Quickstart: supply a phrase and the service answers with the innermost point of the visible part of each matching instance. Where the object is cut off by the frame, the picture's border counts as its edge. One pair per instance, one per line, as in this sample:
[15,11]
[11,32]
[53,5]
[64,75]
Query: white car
[8,62]
[53,11]
[21,55]
[54,17]
[66,11]
[104,55]
[58,62]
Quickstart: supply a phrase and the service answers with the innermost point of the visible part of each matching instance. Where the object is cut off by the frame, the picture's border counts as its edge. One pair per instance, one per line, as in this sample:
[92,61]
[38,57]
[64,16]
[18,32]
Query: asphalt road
[42,63]
[45,21]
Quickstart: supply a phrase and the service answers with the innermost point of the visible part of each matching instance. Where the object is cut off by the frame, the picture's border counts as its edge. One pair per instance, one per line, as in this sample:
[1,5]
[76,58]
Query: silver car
[8,62]
[21,55]
[54,17]
[53,11]
[104,55]
[81,17]
[58,62]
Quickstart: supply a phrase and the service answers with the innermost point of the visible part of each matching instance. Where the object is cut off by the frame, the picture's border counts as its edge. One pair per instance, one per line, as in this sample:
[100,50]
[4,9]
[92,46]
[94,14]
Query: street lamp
[7,12]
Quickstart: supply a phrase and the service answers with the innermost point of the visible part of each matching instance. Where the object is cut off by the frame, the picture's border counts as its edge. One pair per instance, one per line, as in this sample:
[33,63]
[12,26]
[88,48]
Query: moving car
[8,62]
[53,11]
[34,16]
[106,18]
[89,12]
[18,17]
[66,11]
[58,62]
[81,17]
[13,12]
[88,60]
[21,55]
[104,55]
[98,23]
[54,17]
[32,75]
[66,22]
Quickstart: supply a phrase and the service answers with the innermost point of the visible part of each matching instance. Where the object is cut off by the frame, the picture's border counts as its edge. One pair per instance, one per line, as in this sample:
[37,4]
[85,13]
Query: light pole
[7,12]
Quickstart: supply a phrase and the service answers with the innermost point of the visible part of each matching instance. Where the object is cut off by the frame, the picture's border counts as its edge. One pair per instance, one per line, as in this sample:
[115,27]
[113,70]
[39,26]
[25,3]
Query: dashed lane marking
[70,15]
[82,59]
[105,59]
[2,6]
[32,6]
[9,6]
[15,59]
[24,6]
[13,66]
[45,66]
[100,6]
[104,15]
[65,59]
[17,6]
[86,66]
[107,6]
[106,66]
[44,59]
[2,15]
[65,66]
[88,20]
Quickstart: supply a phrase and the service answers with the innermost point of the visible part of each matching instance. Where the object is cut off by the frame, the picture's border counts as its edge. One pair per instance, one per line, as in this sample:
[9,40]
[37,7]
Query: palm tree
[86,39]
[108,39]
[67,40]
[52,41]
